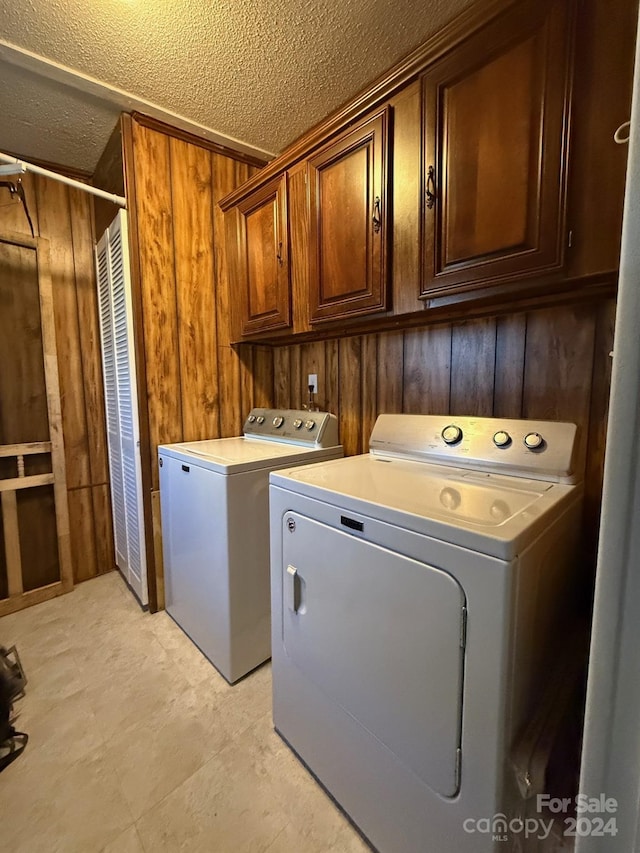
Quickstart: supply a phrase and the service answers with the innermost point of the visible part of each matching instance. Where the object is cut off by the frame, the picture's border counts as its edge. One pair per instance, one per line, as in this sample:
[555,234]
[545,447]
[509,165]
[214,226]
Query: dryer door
[382,636]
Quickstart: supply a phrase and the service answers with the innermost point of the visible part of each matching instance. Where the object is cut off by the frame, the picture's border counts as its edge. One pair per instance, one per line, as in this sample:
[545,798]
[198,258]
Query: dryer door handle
[293,589]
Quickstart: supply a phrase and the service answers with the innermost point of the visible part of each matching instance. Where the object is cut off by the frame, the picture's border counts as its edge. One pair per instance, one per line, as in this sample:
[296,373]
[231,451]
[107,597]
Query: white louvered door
[111,401]
[116,326]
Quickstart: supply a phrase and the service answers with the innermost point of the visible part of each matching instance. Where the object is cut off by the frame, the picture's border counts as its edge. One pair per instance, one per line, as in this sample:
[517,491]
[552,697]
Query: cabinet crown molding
[461,27]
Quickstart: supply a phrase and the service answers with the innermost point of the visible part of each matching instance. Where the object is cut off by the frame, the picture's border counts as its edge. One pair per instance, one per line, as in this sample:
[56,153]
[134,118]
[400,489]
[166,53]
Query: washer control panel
[544,450]
[297,426]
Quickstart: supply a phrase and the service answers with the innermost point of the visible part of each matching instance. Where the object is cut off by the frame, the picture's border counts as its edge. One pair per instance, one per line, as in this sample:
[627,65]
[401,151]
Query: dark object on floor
[12,684]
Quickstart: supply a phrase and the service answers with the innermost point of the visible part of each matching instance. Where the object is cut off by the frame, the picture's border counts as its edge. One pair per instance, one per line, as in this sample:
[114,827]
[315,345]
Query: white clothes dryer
[215,530]
[417,592]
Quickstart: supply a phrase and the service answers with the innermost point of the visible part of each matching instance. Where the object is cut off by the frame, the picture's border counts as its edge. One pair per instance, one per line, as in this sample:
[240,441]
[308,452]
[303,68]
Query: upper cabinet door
[496,123]
[263,259]
[348,223]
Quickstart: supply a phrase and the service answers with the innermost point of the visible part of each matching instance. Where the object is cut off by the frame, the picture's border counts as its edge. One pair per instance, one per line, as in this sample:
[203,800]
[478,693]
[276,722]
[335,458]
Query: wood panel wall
[195,385]
[64,216]
[551,364]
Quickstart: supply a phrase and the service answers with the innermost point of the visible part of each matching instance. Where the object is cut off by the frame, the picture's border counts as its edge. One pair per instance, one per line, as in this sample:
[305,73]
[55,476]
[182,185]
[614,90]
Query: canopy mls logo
[500,828]
[593,817]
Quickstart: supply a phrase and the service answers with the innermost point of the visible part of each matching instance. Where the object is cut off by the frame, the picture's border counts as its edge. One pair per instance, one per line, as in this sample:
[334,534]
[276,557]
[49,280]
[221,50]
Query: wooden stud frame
[18,598]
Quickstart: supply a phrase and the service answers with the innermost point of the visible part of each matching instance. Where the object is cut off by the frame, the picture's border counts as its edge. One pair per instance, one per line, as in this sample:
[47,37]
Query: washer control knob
[260,419]
[451,434]
[502,439]
[251,419]
[310,425]
[278,421]
[533,440]
[297,423]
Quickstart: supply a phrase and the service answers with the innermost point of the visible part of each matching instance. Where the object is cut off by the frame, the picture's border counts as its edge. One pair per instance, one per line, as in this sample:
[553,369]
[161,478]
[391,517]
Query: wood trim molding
[468,22]
[192,139]
[13,557]
[54,410]
[16,483]
[19,240]
[31,447]
[491,303]
[514,293]
[33,596]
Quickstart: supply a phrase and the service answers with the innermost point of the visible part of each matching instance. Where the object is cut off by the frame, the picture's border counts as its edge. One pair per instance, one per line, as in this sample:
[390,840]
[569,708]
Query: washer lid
[490,513]
[234,455]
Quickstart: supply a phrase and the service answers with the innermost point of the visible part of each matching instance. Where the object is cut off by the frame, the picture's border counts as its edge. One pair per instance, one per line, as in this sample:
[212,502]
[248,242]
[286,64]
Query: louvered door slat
[120,373]
[111,403]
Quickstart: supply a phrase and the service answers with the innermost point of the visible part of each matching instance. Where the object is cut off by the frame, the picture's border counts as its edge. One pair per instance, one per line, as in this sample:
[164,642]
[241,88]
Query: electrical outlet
[312,380]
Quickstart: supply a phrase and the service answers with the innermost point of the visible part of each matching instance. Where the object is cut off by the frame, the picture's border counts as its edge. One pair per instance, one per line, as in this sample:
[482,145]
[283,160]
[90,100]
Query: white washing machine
[417,592]
[215,530]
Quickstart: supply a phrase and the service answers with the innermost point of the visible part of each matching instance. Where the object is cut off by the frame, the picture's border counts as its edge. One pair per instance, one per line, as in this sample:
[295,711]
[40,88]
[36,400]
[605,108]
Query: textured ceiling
[259,71]
[44,121]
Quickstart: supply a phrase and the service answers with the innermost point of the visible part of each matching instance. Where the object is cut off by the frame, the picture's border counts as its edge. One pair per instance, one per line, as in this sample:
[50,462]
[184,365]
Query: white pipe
[11,169]
[78,185]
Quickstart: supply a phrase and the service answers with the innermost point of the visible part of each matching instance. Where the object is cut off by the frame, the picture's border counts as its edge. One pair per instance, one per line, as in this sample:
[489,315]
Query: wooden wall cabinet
[348,201]
[261,280]
[488,176]
[496,123]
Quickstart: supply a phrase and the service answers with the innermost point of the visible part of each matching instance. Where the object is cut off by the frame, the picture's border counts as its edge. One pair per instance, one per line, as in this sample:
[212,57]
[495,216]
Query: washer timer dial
[502,439]
[451,434]
[533,440]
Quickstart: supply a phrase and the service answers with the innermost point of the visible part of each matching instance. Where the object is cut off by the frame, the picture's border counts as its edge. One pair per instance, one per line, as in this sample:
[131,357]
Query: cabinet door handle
[377,216]
[431,187]
[279,255]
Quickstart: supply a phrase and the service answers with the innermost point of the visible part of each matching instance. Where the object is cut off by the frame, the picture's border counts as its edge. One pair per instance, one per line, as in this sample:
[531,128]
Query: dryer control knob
[310,425]
[533,440]
[502,439]
[278,421]
[451,434]
[251,419]
[297,423]
[260,419]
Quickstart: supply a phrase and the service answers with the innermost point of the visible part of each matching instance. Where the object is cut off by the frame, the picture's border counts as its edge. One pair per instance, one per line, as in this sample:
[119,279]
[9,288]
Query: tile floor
[137,745]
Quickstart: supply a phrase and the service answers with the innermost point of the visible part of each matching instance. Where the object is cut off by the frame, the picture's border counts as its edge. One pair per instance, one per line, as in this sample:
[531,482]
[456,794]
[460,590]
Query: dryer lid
[490,513]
